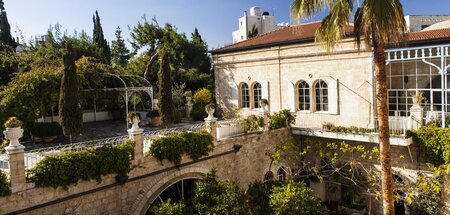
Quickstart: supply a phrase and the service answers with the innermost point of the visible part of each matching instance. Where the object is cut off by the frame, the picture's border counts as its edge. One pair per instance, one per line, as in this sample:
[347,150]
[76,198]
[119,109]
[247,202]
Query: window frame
[305,88]
[321,93]
[241,96]
[256,97]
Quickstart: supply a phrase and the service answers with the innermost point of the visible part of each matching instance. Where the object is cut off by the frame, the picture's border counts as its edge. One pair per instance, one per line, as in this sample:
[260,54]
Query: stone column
[16,157]
[136,135]
[417,116]
[211,121]
[265,112]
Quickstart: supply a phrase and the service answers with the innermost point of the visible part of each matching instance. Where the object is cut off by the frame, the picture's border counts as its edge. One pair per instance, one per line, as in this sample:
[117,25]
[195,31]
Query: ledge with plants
[172,147]
[329,127]
[434,144]
[72,166]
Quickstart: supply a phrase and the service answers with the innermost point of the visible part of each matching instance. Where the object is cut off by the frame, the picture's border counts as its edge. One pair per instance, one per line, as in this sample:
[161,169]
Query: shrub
[281,119]
[167,208]
[434,144]
[4,184]
[46,129]
[198,144]
[13,122]
[71,166]
[297,199]
[202,97]
[253,123]
[259,196]
[171,148]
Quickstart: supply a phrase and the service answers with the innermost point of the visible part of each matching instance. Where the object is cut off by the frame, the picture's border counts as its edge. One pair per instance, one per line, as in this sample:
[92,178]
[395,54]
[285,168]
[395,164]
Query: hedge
[71,166]
[172,147]
[4,184]
[281,119]
[434,144]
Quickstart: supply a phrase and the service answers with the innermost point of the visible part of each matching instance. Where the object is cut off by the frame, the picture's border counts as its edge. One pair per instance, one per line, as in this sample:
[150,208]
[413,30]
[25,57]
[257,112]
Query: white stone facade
[415,23]
[263,22]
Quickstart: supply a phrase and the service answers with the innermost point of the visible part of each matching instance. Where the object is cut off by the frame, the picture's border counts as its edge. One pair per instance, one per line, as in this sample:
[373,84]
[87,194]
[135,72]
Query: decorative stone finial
[210,109]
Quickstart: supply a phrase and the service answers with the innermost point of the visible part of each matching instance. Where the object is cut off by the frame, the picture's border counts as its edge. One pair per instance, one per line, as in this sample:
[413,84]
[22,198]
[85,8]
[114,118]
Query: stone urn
[135,122]
[13,135]
[210,109]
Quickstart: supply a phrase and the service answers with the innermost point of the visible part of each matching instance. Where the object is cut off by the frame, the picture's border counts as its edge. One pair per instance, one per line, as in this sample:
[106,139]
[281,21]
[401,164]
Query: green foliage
[4,184]
[259,197]
[5,29]
[198,144]
[434,144]
[253,32]
[355,130]
[202,97]
[179,99]
[219,197]
[71,166]
[166,108]
[253,123]
[172,147]
[168,208]
[281,119]
[99,39]
[69,105]
[46,129]
[13,122]
[295,198]
[119,51]
[429,203]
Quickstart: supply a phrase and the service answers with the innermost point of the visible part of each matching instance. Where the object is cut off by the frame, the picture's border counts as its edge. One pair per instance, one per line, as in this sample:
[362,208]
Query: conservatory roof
[306,32]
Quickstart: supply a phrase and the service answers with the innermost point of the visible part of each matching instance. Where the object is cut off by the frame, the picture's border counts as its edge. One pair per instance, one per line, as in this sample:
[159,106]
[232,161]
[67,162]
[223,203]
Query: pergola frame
[129,90]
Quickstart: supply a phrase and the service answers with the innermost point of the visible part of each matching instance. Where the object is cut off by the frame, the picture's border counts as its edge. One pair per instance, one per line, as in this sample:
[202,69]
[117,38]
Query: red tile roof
[306,33]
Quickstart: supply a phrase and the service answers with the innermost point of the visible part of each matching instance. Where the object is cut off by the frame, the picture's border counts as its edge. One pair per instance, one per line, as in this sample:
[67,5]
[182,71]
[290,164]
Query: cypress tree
[166,109]
[70,114]
[119,52]
[99,39]
[5,30]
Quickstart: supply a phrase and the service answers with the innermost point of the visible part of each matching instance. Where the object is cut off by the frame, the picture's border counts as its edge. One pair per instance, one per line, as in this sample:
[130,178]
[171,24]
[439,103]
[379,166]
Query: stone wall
[347,72]
[148,179]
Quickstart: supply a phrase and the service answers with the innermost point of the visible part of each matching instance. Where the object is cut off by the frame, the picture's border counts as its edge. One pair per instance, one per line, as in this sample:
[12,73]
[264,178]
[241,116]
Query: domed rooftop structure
[437,26]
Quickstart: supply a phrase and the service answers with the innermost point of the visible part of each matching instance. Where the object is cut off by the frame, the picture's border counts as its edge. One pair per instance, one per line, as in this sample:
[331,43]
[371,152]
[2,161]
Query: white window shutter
[234,100]
[290,96]
[265,90]
[333,96]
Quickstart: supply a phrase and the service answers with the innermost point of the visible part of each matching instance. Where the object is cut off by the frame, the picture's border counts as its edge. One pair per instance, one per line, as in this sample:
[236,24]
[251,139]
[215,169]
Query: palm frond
[332,29]
[308,8]
[384,20]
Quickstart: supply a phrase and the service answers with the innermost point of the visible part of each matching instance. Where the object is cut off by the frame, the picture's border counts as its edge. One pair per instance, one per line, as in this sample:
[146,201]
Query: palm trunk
[387,180]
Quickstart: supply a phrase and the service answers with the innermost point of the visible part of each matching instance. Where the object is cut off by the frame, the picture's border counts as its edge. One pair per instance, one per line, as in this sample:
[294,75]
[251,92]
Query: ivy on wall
[434,144]
[4,184]
[71,166]
[172,147]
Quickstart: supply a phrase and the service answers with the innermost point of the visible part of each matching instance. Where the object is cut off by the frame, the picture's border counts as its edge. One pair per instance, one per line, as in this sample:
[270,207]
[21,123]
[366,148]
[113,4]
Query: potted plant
[13,131]
[154,117]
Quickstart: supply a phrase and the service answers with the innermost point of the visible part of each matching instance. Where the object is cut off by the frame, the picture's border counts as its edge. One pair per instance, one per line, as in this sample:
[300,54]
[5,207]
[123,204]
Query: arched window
[257,95]
[269,176]
[245,96]
[281,174]
[303,96]
[321,88]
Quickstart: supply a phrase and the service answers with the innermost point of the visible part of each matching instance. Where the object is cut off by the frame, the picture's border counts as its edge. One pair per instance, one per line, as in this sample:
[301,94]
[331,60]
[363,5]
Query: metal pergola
[127,89]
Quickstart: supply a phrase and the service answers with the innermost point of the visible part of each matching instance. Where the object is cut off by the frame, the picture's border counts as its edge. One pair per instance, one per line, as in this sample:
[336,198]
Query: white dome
[439,25]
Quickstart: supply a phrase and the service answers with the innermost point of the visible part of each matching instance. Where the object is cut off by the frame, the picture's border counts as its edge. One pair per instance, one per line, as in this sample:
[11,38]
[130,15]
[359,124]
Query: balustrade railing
[229,128]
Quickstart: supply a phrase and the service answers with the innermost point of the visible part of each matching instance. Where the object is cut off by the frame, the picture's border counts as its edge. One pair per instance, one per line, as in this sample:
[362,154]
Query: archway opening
[182,190]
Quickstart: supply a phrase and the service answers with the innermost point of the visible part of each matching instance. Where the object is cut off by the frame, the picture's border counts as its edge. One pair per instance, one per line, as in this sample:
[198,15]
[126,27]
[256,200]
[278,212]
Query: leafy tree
[259,197]
[6,40]
[69,106]
[166,108]
[378,22]
[201,98]
[297,199]
[168,208]
[99,39]
[253,32]
[219,197]
[119,52]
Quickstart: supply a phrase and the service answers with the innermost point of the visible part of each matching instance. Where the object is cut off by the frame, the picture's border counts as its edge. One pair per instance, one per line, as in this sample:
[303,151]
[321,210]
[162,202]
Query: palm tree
[377,22]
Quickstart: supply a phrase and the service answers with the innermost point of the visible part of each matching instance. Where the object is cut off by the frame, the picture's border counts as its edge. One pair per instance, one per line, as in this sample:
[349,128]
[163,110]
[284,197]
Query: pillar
[137,136]
[211,122]
[416,120]
[16,157]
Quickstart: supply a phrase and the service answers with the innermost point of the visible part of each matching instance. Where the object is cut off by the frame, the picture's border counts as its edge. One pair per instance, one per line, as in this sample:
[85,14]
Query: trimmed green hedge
[172,147]
[71,166]
[4,184]
[434,144]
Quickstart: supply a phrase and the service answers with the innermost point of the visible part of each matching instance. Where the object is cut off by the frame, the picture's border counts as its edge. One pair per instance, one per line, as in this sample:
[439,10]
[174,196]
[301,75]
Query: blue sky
[215,19]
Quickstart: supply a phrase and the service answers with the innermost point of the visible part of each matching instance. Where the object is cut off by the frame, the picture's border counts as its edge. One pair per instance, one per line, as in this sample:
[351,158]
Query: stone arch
[159,184]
